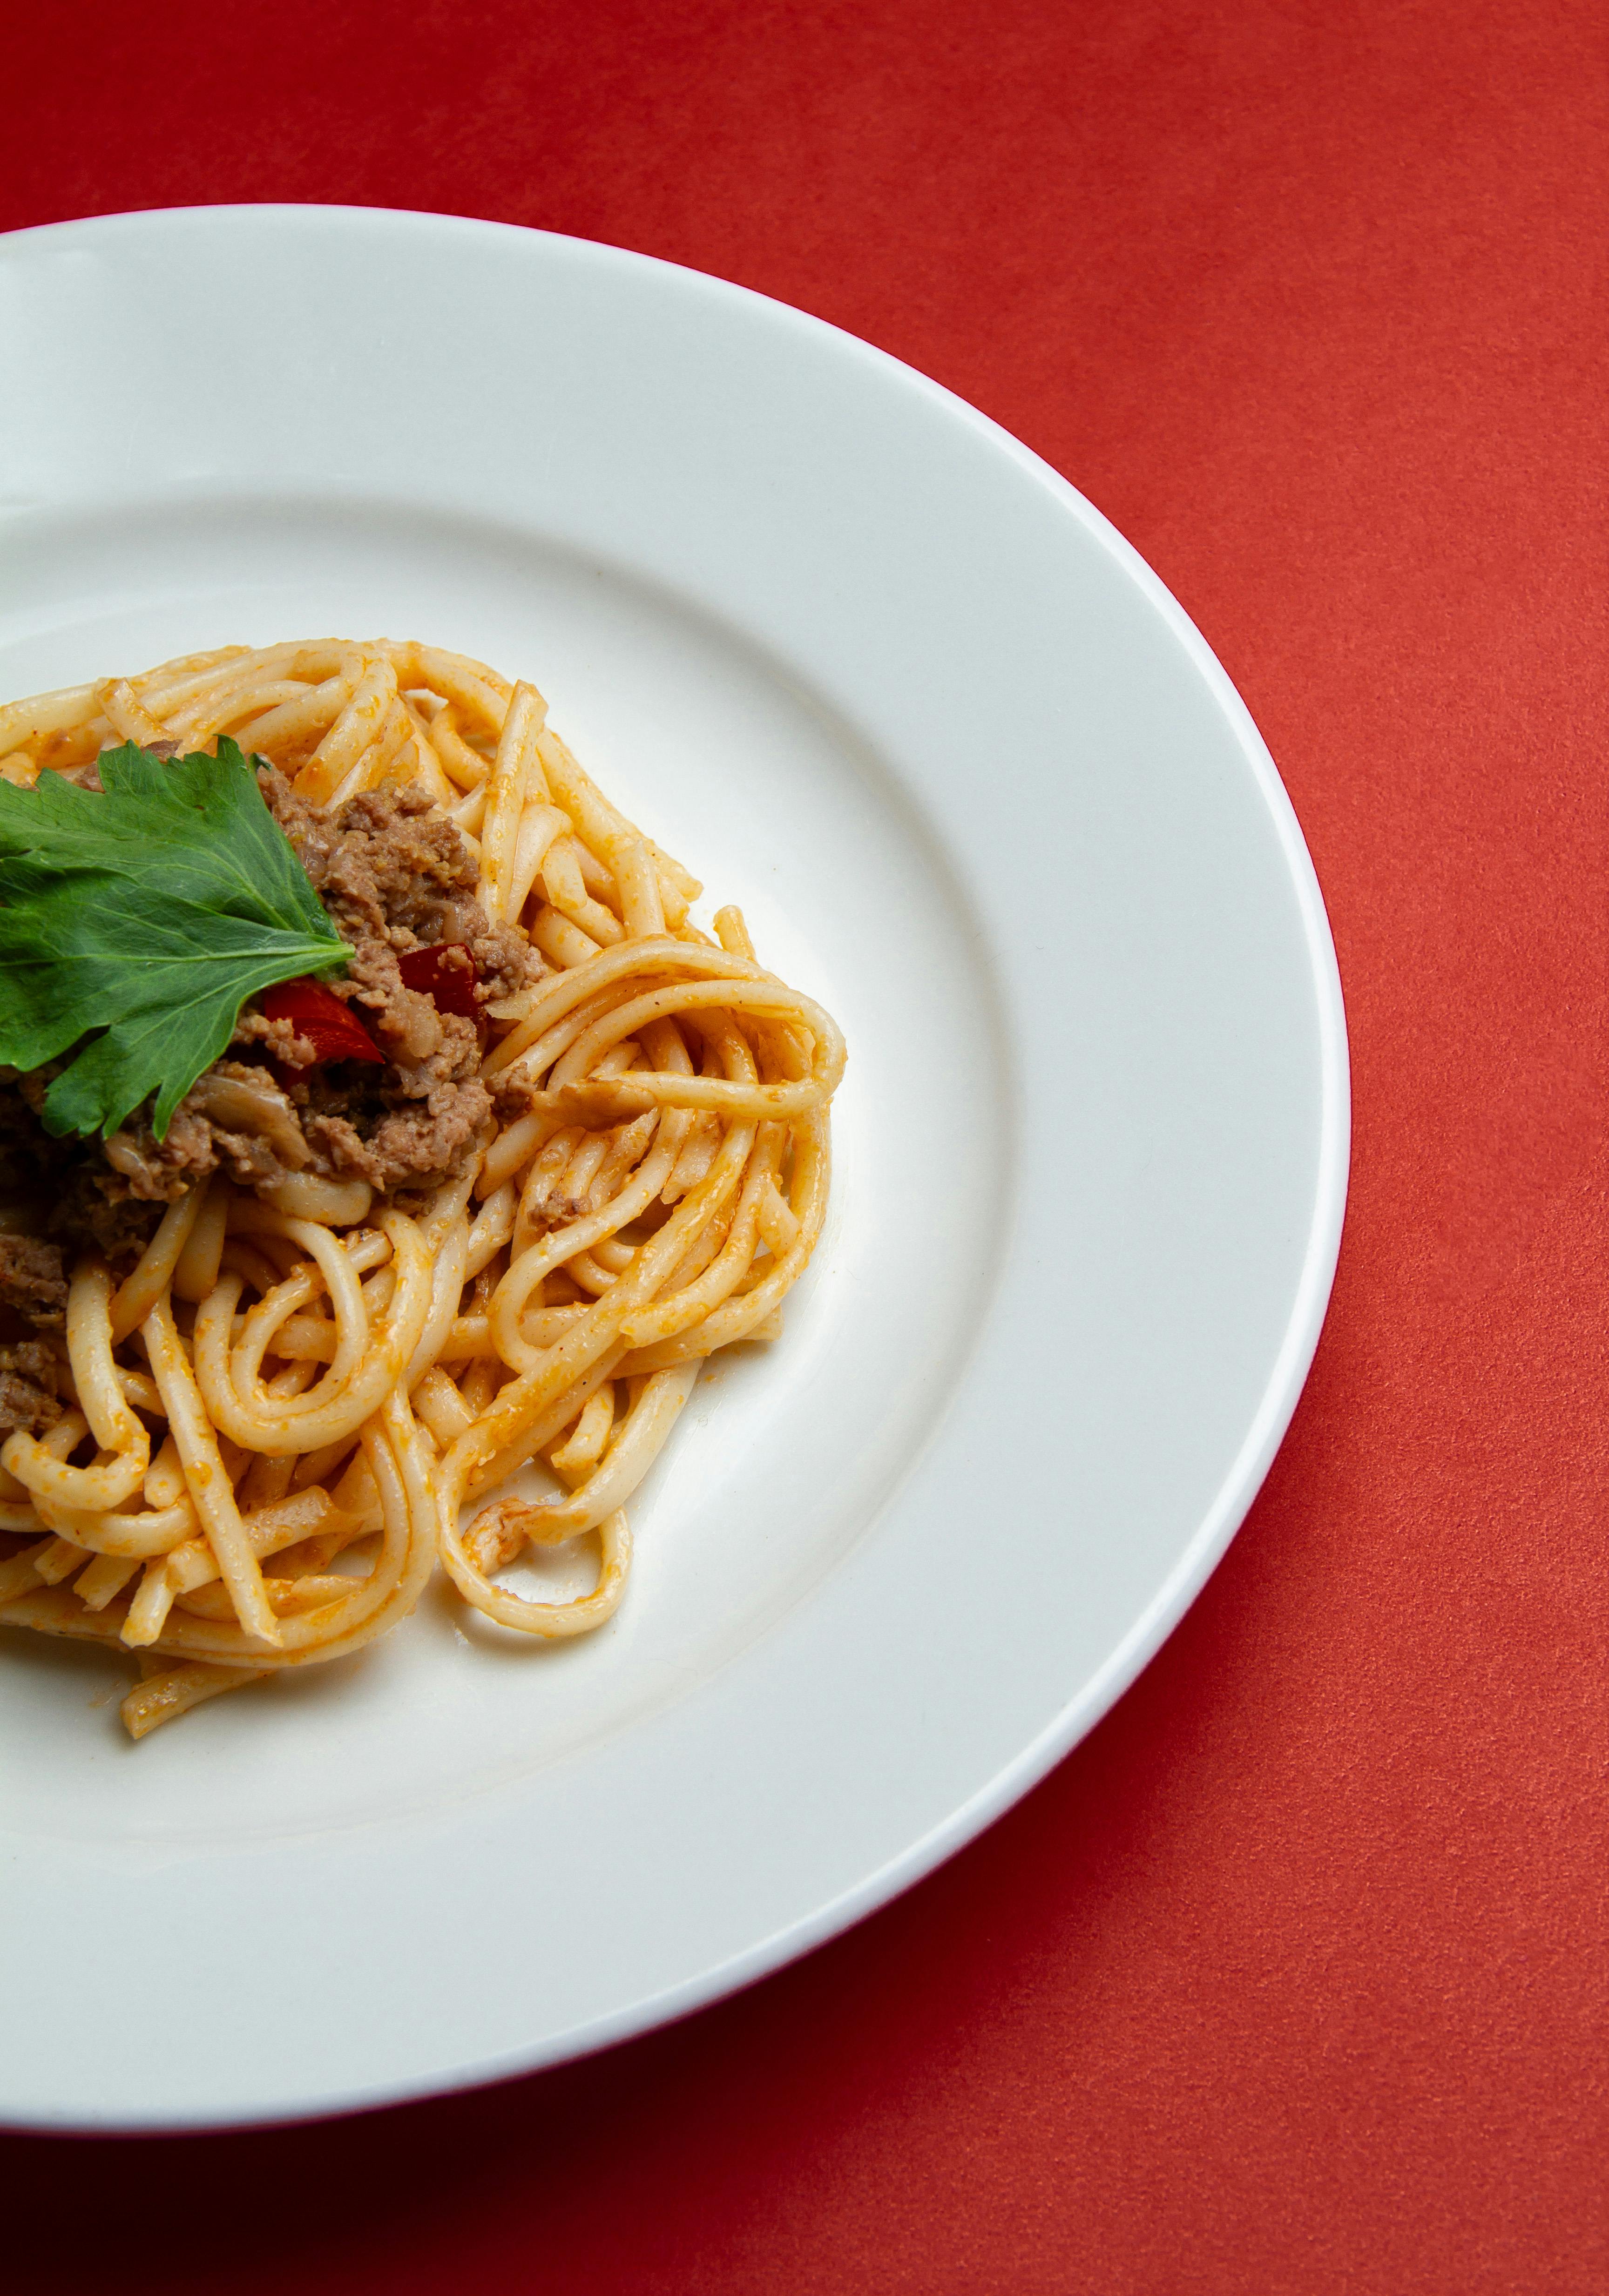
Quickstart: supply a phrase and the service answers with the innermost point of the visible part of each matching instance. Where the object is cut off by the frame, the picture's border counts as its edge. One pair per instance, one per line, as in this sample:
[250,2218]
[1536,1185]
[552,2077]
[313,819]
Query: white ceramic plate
[882,677]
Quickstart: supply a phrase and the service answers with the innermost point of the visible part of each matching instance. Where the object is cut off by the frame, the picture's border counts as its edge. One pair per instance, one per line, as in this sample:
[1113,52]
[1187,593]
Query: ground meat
[394,874]
[27,1388]
[160,1171]
[67,1185]
[411,1145]
[277,1039]
[31,1282]
[97,1206]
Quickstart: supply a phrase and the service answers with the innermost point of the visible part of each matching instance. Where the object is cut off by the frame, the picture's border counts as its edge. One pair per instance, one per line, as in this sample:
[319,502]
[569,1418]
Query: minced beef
[31,1282]
[27,1388]
[394,874]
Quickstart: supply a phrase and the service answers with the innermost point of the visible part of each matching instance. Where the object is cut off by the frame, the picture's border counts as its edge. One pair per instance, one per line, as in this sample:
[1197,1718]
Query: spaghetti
[316,1367]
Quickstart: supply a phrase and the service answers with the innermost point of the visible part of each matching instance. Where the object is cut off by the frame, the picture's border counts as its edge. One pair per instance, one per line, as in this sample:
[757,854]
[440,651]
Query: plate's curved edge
[1246,1476]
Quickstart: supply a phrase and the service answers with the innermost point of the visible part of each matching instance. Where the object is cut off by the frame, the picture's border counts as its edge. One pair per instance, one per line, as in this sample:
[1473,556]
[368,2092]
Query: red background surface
[1293,1977]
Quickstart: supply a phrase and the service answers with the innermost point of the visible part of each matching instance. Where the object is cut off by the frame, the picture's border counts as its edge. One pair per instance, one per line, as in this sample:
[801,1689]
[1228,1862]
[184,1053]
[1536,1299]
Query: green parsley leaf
[139,921]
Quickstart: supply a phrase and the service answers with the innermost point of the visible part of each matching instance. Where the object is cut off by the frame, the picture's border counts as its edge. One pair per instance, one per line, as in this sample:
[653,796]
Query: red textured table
[1293,1977]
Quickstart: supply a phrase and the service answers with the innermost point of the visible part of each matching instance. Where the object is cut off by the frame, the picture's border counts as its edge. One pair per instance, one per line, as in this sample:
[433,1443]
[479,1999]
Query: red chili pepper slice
[332,1028]
[447,973]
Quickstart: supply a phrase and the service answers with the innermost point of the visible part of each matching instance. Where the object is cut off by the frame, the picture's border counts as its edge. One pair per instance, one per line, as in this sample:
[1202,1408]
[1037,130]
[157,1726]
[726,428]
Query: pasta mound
[267,1374]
